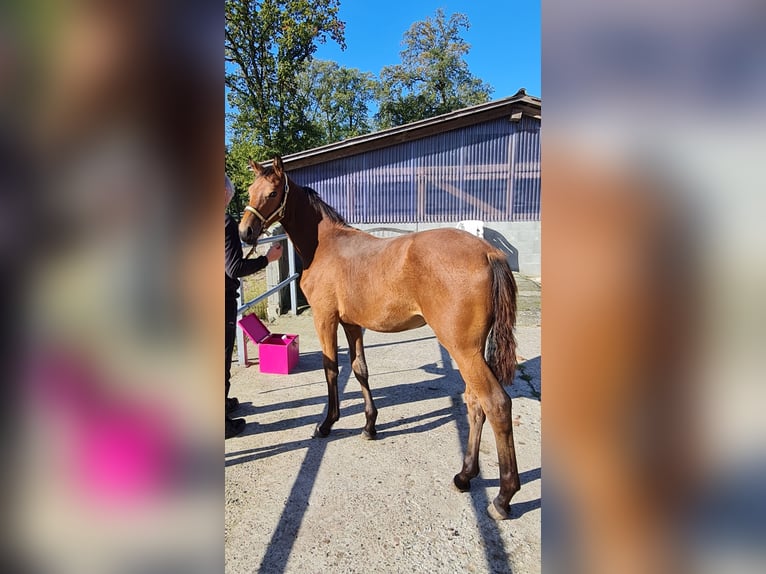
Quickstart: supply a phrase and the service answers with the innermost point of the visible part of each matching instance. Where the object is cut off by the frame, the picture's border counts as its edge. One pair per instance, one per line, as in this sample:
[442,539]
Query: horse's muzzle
[249,233]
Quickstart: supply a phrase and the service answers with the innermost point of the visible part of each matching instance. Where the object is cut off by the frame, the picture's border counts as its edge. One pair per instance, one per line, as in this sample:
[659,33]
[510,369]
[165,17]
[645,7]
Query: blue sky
[504,38]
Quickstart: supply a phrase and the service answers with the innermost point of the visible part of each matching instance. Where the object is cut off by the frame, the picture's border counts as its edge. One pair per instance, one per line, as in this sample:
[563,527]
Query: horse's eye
[273,194]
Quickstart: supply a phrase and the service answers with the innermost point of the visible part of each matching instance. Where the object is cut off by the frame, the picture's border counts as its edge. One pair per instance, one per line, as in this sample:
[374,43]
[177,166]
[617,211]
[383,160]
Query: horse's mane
[316,202]
[325,209]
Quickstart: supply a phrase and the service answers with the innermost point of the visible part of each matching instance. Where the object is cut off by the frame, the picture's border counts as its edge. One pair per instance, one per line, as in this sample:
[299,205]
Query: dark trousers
[231,335]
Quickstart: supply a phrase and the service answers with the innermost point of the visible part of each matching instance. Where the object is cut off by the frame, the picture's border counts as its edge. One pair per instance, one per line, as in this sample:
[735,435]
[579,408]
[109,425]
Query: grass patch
[252,286]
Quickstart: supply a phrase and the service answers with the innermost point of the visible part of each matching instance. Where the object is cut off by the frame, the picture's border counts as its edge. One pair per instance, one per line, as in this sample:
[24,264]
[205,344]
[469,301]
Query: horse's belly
[384,323]
[395,327]
[373,309]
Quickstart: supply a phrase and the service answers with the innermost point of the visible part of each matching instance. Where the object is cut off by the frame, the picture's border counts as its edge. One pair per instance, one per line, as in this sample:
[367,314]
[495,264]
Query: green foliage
[268,44]
[433,77]
[284,101]
[338,99]
[238,170]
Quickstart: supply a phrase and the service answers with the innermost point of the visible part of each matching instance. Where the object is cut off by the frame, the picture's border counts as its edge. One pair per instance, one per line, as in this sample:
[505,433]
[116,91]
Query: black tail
[501,353]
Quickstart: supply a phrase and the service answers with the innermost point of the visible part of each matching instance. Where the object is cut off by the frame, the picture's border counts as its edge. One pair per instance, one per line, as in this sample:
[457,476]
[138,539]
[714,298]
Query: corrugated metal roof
[488,170]
[513,108]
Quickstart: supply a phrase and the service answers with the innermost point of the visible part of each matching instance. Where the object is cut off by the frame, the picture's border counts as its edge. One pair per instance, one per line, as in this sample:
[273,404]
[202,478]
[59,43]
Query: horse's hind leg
[497,407]
[476,419]
[359,366]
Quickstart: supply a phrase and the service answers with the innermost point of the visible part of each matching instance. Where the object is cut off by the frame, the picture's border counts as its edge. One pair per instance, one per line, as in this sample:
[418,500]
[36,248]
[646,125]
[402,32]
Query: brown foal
[456,283]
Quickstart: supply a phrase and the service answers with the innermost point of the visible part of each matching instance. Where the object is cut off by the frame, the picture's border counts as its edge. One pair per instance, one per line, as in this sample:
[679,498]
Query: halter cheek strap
[277,214]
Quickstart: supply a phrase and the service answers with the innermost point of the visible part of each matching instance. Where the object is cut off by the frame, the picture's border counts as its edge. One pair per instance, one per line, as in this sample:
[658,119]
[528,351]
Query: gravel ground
[298,504]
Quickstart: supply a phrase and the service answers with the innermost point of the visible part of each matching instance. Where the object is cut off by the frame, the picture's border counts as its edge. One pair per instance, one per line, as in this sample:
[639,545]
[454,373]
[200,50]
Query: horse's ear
[256,167]
[279,169]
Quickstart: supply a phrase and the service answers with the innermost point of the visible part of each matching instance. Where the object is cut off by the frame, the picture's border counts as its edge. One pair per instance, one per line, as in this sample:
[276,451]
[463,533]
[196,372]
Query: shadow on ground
[448,384]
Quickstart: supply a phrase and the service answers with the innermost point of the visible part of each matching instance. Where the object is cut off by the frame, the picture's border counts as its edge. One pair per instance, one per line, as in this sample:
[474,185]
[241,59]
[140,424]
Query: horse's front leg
[327,330]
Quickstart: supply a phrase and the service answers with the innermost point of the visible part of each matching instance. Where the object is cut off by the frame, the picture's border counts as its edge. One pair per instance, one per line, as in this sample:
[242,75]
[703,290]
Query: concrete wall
[525,237]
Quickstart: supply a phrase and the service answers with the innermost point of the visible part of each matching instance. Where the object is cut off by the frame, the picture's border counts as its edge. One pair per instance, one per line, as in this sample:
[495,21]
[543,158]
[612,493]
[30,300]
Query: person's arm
[236,264]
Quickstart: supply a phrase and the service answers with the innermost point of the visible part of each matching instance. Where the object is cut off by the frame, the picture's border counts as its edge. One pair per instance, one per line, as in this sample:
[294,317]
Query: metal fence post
[241,342]
[291,272]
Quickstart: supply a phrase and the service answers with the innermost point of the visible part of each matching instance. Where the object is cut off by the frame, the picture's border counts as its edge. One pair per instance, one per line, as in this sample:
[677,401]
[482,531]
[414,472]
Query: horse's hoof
[498,513]
[460,484]
[318,432]
[369,435]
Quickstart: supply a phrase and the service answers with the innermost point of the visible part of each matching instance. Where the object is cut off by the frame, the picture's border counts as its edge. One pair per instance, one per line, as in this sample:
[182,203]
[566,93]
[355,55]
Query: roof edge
[512,106]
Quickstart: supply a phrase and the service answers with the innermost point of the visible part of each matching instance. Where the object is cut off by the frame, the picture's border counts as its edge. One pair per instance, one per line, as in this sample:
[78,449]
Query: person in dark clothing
[237,266]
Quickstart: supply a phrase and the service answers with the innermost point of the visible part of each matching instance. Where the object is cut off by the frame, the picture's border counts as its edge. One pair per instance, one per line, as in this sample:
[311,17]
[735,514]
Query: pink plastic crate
[277,353]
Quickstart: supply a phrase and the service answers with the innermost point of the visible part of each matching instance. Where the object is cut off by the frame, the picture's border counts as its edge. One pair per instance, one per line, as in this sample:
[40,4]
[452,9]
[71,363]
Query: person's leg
[234,427]
[231,335]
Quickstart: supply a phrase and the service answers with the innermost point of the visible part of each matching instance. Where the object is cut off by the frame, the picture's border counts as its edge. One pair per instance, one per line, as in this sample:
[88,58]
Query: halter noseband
[277,214]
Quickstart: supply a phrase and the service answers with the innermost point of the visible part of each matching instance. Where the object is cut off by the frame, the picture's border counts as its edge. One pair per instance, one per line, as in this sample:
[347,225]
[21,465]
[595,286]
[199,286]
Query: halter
[277,214]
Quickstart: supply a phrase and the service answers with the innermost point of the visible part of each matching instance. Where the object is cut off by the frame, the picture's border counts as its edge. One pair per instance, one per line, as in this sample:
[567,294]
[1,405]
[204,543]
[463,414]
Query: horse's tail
[501,349]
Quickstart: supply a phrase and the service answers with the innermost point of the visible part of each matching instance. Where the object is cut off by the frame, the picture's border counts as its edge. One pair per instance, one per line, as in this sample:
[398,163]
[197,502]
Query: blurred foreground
[654,272]
[110,142]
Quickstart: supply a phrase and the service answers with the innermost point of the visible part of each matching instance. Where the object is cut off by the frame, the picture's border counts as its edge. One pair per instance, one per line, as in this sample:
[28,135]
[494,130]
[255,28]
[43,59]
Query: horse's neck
[304,225]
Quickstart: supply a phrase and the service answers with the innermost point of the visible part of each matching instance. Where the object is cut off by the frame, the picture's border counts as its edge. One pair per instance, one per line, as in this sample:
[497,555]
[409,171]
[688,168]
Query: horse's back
[425,259]
[451,255]
[454,242]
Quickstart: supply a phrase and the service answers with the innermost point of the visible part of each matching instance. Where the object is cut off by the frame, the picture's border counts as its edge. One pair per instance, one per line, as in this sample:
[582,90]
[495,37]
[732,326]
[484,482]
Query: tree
[267,45]
[236,165]
[338,99]
[433,77]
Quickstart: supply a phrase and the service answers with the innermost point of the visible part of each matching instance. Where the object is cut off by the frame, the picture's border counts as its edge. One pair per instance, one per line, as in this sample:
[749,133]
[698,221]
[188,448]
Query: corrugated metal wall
[488,171]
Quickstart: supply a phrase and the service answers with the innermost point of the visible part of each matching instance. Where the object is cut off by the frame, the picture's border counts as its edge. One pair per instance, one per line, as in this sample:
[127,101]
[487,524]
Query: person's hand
[274,252]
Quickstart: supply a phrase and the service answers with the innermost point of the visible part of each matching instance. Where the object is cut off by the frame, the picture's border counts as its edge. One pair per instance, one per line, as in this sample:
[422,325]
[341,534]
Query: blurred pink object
[121,448]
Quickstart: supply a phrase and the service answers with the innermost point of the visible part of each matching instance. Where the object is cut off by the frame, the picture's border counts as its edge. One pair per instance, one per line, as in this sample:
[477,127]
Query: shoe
[232,404]
[234,427]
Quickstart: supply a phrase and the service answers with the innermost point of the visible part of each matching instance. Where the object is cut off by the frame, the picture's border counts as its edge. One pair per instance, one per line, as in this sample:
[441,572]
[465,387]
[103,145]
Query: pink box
[277,353]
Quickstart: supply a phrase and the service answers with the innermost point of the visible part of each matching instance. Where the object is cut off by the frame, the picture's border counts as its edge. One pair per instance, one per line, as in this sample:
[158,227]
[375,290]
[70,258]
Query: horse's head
[268,197]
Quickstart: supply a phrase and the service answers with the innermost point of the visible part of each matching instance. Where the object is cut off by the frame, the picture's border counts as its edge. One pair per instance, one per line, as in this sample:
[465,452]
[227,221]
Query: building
[480,163]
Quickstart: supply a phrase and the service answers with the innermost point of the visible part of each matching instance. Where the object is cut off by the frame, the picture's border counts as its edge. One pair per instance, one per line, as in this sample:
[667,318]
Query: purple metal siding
[526,172]
[488,171]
